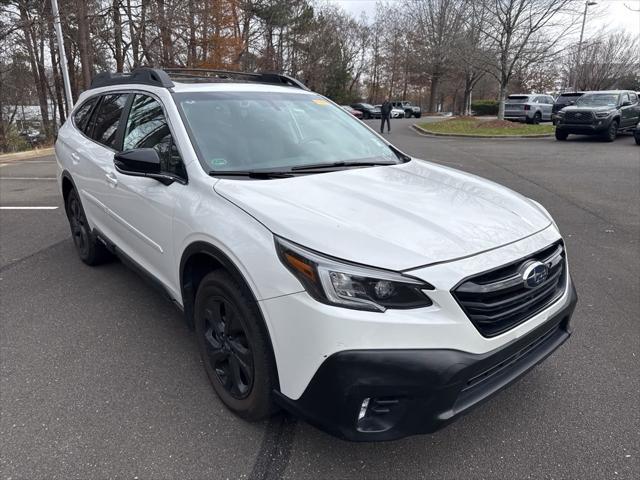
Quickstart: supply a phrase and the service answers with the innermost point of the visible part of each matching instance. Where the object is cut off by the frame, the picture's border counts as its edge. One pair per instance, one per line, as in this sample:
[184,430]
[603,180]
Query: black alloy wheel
[234,345]
[78,224]
[228,350]
[90,250]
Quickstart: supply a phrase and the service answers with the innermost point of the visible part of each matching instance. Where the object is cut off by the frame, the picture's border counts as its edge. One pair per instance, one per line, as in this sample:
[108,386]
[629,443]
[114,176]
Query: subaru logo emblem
[535,274]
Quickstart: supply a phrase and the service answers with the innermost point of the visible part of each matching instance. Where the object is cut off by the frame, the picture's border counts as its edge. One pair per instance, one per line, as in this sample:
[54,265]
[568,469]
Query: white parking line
[27,178]
[28,208]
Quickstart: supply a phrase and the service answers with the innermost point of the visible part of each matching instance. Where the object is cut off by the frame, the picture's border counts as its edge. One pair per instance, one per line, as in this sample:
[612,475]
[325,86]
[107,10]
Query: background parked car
[395,111]
[368,110]
[564,100]
[409,109]
[636,134]
[352,111]
[604,113]
[528,108]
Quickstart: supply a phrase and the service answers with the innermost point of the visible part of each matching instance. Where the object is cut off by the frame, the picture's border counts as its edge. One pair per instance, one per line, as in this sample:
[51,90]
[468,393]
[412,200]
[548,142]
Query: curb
[39,152]
[427,133]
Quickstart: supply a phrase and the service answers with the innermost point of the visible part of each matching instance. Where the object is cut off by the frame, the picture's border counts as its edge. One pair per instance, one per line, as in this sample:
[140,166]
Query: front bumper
[599,126]
[413,391]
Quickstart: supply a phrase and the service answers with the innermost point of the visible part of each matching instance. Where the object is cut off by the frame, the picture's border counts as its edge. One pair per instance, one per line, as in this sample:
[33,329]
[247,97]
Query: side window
[81,117]
[633,97]
[147,127]
[107,119]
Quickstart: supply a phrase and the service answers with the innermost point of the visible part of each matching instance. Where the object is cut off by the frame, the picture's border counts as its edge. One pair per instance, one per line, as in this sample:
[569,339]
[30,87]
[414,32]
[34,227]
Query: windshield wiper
[260,174]
[330,166]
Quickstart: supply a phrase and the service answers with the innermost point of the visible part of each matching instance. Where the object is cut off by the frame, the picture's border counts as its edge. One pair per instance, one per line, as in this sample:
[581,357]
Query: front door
[143,207]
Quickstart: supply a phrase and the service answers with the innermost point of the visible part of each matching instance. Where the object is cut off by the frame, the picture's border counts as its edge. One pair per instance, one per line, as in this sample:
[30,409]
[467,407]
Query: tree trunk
[117,37]
[502,97]
[84,45]
[134,35]
[191,54]
[433,95]
[55,64]
[37,69]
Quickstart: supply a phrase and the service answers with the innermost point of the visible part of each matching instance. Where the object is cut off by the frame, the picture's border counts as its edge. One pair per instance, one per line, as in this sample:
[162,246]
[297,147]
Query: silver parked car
[530,108]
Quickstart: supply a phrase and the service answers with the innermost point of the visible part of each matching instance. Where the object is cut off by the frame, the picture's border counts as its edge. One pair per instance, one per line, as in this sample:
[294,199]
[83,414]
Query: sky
[611,14]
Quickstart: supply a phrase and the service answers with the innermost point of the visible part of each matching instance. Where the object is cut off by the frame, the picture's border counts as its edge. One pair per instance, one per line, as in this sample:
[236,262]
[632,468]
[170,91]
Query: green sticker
[217,162]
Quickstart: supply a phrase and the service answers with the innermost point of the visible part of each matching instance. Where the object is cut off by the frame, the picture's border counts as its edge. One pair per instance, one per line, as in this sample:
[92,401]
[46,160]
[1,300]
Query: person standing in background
[385,111]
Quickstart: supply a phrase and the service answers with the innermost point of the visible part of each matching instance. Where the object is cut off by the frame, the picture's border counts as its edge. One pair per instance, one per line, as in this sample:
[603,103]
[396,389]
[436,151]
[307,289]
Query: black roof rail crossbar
[145,76]
[261,77]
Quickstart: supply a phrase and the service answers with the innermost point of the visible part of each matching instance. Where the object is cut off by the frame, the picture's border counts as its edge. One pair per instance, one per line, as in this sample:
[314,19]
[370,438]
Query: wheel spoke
[243,354]
[239,384]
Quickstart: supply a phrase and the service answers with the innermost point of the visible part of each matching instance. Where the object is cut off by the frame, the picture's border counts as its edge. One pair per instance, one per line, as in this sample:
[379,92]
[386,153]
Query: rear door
[101,132]
[546,106]
[143,207]
[627,113]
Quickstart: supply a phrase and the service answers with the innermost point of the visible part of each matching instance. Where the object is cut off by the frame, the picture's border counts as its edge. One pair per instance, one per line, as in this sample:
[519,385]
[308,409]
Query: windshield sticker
[218,162]
[320,101]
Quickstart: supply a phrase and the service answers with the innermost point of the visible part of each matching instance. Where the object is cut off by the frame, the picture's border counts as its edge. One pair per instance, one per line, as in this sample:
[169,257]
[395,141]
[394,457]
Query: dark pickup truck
[604,113]
[564,100]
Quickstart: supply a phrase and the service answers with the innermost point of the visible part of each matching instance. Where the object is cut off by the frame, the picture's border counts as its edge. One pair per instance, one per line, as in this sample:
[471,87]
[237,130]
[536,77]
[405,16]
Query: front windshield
[598,100]
[233,131]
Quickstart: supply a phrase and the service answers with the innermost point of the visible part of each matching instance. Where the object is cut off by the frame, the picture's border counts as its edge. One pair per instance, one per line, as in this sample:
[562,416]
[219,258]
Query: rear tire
[537,118]
[234,345]
[612,132]
[90,250]
[407,114]
[637,139]
[560,135]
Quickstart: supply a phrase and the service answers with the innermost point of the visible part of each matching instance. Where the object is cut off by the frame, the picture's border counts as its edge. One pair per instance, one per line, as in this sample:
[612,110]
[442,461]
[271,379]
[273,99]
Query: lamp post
[63,56]
[587,4]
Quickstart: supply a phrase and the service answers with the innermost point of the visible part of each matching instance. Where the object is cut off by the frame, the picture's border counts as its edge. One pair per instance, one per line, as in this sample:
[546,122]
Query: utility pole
[63,55]
[587,4]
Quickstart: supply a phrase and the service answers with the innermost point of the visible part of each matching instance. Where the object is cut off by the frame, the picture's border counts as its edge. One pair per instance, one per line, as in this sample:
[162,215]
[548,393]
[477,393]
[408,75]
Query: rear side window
[81,117]
[147,127]
[107,119]
[633,97]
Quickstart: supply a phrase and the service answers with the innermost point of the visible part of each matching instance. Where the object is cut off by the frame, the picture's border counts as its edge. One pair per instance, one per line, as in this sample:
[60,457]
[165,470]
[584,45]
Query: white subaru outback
[324,270]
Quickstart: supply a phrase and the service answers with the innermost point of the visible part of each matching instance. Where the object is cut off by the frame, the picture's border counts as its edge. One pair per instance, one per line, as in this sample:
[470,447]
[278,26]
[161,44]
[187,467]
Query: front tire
[90,250]
[560,135]
[234,346]
[612,132]
[407,114]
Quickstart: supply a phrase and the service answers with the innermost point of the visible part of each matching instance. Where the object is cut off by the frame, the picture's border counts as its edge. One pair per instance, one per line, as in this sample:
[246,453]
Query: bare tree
[520,33]
[607,60]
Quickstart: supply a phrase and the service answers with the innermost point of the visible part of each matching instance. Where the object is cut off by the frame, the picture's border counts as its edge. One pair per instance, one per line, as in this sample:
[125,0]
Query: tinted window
[633,97]
[107,119]
[517,98]
[81,116]
[147,127]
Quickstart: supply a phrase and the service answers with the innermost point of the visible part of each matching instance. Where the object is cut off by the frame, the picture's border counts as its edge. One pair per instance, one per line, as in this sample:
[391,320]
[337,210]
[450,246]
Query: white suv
[323,270]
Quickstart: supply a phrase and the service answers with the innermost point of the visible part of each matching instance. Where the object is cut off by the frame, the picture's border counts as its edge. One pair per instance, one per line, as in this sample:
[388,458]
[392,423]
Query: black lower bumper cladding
[417,391]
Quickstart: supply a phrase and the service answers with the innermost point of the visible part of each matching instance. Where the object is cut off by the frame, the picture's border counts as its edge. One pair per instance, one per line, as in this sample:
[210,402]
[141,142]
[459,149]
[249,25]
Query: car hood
[396,217]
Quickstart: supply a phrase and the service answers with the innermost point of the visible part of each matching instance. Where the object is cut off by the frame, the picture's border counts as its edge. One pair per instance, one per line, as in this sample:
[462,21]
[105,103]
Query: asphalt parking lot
[100,378]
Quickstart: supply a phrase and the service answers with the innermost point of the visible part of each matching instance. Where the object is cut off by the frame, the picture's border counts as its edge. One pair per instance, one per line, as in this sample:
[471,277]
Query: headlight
[603,114]
[351,286]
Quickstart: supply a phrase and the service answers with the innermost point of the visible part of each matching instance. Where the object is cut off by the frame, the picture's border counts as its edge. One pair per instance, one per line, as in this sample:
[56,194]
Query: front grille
[578,117]
[498,300]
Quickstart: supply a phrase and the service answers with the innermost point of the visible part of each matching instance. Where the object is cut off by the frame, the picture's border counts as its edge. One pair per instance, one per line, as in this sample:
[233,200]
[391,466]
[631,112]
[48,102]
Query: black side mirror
[143,162]
[139,161]
[626,103]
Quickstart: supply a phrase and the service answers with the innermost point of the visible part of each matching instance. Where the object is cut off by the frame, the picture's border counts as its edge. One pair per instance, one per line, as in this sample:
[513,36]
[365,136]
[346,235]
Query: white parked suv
[324,270]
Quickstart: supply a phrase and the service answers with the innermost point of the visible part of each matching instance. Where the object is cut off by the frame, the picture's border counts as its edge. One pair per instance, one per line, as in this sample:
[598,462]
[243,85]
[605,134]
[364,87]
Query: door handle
[111,178]
[75,158]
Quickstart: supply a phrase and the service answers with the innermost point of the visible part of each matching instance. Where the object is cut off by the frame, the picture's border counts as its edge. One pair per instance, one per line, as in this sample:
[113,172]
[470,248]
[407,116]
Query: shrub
[485,107]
